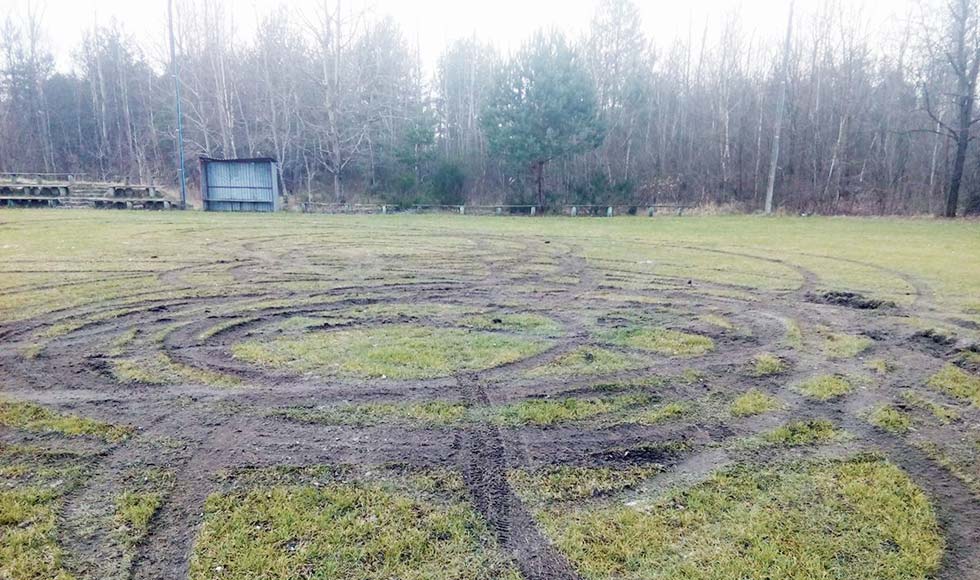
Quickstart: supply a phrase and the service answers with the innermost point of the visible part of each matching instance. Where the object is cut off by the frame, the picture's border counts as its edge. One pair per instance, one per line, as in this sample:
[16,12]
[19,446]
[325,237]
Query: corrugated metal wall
[240,185]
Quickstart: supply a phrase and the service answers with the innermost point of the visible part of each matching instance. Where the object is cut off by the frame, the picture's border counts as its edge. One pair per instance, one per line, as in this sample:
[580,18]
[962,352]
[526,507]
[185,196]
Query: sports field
[215,396]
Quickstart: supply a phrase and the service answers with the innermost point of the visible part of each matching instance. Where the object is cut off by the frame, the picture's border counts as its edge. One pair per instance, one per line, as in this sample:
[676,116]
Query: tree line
[865,122]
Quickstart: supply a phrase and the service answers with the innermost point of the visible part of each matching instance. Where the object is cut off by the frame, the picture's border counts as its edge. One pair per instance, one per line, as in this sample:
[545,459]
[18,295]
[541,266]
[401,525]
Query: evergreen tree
[542,107]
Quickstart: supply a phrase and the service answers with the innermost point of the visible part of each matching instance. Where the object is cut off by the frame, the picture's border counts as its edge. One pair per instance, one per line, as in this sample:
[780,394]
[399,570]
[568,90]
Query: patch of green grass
[564,483]
[660,413]
[754,402]
[767,364]
[825,387]
[163,370]
[430,413]
[33,482]
[839,346]
[534,324]
[29,548]
[355,531]
[420,310]
[38,419]
[134,510]
[848,520]
[400,351]
[943,413]
[890,419]
[586,361]
[958,383]
[663,341]
[797,433]
[554,411]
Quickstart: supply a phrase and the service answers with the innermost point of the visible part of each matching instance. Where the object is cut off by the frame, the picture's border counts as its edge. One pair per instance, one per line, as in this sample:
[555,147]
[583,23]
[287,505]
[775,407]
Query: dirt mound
[849,300]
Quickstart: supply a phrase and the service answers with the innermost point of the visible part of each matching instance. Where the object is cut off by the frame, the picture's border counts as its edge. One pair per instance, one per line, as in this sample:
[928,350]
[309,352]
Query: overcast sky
[435,23]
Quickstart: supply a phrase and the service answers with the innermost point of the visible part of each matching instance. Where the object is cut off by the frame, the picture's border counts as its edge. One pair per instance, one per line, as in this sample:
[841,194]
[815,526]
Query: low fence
[501,210]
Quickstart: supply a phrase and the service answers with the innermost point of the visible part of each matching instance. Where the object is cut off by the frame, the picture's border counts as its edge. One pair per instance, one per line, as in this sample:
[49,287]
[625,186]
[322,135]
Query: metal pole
[180,123]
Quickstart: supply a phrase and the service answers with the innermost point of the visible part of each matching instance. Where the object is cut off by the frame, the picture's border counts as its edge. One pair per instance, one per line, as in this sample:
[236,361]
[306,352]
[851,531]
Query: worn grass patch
[754,402]
[662,341]
[943,413]
[33,483]
[717,320]
[355,531]
[660,413]
[797,433]
[958,383]
[825,387]
[533,324]
[840,346]
[890,419]
[847,520]
[880,366]
[564,483]
[551,412]
[28,545]
[163,370]
[794,335]
[134,510]
[400,351]
[586,361]
[767,364]
[430,413]
[38,419]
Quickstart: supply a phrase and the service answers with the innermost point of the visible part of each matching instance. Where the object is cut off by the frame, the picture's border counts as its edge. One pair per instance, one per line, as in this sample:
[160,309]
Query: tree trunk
[539,177]
[774,157]
[953,191]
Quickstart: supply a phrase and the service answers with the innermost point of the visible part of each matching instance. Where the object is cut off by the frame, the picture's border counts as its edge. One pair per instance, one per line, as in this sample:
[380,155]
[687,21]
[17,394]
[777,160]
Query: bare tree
[960,48]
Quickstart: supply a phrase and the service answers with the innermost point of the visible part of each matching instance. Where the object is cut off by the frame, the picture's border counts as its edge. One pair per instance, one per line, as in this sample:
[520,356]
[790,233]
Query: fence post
[609,211]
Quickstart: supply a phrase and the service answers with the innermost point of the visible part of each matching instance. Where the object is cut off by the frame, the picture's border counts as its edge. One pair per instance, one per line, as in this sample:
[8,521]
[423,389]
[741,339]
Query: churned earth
[210,396]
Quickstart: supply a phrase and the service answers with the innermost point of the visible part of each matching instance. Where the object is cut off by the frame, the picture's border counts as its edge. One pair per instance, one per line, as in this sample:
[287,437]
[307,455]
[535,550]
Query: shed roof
[241,160]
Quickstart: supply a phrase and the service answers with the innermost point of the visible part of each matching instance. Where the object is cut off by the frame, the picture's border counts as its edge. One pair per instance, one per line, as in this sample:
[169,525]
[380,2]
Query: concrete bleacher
[16,191]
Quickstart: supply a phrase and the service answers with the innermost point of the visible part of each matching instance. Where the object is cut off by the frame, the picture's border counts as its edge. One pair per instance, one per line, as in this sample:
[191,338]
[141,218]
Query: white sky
[435,23]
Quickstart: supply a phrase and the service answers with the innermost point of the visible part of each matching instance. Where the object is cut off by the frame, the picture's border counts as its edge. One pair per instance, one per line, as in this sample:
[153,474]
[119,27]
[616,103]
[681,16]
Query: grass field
[208,396]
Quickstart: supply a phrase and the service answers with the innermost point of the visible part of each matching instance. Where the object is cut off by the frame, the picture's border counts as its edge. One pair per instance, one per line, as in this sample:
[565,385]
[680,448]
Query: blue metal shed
[240,184]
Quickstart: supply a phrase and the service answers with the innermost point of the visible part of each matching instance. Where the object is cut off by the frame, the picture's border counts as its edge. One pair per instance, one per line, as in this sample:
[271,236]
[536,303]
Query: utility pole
[180,123]
[780,107]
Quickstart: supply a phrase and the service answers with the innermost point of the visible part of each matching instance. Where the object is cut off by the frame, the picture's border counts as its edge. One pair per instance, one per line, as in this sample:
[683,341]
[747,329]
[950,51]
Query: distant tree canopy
[876,120]
[543,107]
